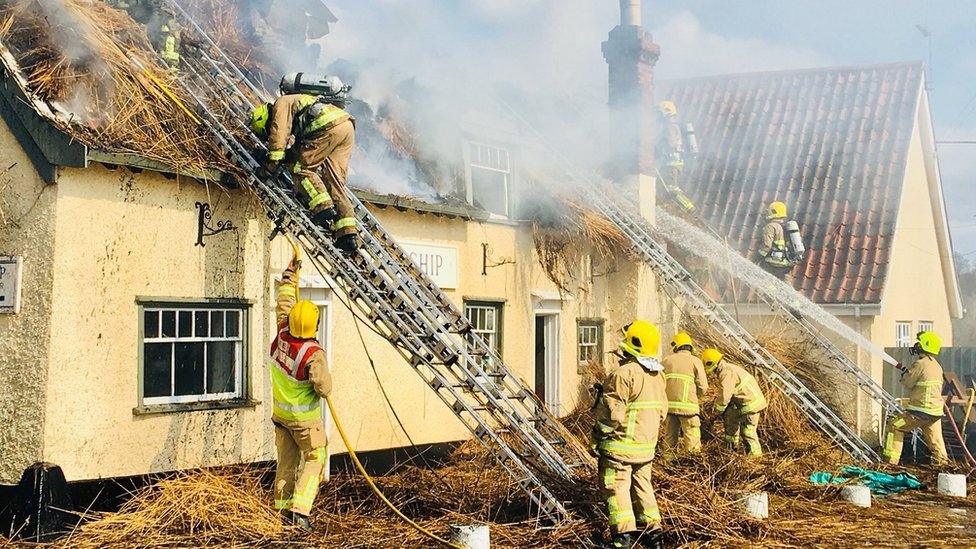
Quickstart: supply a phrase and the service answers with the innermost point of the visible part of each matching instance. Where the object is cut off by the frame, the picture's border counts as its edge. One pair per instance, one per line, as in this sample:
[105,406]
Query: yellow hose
[376,490]
[172,96]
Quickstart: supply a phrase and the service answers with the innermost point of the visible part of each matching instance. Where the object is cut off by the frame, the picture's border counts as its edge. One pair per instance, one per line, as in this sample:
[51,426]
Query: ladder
[398,300]
[598,195]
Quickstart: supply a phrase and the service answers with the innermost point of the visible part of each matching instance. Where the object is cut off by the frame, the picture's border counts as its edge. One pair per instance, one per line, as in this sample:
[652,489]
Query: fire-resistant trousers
[301,460]
[627,490]
[907,422]
[747,425]
[329,154]
[685,430]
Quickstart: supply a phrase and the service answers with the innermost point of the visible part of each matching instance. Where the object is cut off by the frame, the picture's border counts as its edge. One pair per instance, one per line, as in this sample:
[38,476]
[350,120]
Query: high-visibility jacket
[630,412]
[299,369]
[774,249]
[924,380]
[686,382]
[739,388]
[299,116]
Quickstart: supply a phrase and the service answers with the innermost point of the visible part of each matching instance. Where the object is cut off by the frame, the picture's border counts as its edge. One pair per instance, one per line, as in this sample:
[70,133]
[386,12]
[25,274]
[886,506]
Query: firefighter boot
[326,219]
[347,243]
[302,522]
[653,539]
[621,541]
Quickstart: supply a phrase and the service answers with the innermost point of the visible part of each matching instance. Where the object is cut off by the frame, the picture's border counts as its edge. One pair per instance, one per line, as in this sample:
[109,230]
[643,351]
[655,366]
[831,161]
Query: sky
[552,45]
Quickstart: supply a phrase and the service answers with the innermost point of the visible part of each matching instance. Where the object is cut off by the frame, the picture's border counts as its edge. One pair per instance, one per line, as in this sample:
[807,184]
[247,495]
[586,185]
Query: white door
[547,360]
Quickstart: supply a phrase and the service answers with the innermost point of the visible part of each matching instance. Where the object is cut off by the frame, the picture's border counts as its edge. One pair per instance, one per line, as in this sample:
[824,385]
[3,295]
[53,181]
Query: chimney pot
[630,13]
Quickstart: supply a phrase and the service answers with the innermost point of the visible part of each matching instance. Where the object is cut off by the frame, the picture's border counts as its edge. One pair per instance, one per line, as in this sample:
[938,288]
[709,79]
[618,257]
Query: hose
[962,439]
[376,490]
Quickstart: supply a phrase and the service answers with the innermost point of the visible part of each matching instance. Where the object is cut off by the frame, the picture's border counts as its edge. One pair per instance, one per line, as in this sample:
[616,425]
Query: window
[903,334]
[486,320]
[491,176]
[193,353]
[925,325]
[590,341]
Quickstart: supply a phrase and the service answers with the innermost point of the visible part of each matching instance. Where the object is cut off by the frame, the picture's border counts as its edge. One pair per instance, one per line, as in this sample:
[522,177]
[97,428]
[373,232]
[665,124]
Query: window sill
[157,409]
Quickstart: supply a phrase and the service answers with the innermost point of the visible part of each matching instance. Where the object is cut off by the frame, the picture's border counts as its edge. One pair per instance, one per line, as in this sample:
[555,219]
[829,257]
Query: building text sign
[10,271]
[440,263]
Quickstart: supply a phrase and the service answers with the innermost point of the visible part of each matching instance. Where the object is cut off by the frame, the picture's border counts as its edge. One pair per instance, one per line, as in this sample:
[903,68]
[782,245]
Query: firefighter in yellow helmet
[774,251]
[312,133]
[923,381]
[670,154]
[300,380]
[629,414]
[686,384]
[739,401]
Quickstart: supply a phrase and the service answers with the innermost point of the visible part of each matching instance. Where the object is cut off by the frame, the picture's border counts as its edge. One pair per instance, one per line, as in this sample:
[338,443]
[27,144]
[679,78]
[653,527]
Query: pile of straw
[95,65]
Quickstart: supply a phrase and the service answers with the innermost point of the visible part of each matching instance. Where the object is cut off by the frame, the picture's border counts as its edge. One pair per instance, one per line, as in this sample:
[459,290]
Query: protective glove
[595,437]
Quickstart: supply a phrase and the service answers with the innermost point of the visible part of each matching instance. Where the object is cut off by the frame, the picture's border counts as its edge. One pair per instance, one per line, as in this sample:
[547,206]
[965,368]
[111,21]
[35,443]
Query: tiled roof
[831,143]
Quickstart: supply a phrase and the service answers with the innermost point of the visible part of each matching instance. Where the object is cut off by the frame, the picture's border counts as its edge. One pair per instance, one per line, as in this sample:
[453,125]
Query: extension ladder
[598,195]
[399,300]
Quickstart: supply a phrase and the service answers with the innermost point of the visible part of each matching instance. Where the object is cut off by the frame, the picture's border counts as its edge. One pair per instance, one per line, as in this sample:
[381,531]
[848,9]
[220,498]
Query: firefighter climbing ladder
[680,283]
[400,302]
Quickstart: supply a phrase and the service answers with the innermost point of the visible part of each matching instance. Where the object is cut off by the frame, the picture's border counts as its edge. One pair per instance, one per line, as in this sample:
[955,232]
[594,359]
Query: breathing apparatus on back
[328,88]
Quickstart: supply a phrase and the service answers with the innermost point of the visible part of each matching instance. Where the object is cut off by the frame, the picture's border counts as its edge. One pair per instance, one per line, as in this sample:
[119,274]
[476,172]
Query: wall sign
[10,273]
[440,263]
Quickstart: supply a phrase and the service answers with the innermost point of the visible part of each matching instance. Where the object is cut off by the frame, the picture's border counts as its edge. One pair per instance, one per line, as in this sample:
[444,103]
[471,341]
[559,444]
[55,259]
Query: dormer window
[490,178]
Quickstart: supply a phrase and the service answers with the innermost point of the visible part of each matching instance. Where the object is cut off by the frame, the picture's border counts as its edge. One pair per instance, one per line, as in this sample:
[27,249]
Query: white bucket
[952,485]
[755,505]
[856,494]
[470,536]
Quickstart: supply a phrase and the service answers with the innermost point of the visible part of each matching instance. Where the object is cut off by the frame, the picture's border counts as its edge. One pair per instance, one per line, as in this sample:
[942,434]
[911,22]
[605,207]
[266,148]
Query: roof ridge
[782,72]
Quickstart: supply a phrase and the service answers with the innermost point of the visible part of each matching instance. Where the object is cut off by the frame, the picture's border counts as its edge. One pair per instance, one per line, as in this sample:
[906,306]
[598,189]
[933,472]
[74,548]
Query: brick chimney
[631,54]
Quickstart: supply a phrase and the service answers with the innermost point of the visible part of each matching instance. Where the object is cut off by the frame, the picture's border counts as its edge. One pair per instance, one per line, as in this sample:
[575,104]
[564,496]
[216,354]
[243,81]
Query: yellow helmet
[929,342]
[303,320]
[711,358]
[680,340]
[259,119]
[641,339]
[777,210]
[667,108]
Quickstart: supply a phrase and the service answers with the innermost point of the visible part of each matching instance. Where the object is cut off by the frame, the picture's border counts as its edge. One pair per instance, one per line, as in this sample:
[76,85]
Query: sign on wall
[10,272]
[440,263]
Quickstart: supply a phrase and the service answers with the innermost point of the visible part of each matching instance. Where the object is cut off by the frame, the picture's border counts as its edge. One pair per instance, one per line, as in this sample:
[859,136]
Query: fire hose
[962,439]
[296,261]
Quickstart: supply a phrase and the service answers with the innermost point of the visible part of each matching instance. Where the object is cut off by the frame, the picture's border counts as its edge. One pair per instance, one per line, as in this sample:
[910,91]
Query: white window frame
[926,326]
[240,352]
[595,327]
[494,338]
[505,168]
[903,334]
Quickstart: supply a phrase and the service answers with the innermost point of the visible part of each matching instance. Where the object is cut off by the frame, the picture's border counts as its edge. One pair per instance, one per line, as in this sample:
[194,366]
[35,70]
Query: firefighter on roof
[923,381]
[300,379]
[739,401]
[628,418]
[782,245]
[670,153]
[309,132]
[686,384]
[161,25]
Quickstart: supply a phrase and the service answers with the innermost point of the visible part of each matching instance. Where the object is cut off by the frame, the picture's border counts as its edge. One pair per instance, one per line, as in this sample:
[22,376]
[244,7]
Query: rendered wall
[27,219]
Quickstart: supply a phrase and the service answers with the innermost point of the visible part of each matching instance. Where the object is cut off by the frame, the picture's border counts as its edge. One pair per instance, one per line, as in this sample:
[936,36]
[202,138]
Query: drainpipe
[630,13]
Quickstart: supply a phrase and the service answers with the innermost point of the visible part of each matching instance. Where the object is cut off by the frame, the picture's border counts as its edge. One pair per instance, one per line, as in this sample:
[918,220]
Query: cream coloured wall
[120,236]
[27,219]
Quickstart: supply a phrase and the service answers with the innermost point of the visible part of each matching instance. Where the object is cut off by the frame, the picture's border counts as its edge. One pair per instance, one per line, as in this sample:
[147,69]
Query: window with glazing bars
[491,177]
[193,353]
[590,341]
[486,320]
[903,334]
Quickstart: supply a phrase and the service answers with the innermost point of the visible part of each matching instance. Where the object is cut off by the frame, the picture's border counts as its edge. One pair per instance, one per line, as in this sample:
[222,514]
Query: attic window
[490,170]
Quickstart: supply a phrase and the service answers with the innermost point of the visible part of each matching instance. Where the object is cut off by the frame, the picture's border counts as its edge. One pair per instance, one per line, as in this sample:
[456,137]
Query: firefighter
[161,25]
[686,383]
[923,381]
[670,152]
[774,251]
[300,379]
[739,401]
[628,416]
[321,136]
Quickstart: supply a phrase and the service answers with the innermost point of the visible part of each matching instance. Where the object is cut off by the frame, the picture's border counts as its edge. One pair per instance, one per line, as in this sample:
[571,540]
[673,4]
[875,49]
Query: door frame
[552,367]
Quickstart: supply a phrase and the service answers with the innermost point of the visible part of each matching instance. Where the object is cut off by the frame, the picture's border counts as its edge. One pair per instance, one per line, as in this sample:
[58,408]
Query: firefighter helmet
[303,320]
[680,341]
[667,108]
[928,342]
[777,210]
[641,339]
[711,358]
[259,119]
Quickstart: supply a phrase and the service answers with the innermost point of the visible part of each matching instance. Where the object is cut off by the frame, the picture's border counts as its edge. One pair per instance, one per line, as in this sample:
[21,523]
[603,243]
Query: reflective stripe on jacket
[739,388]
[630,413]
[924,380]
[686,382]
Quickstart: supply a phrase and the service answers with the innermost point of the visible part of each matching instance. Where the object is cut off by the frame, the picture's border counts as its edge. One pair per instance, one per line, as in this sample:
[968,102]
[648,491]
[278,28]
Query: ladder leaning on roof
[400,302]
[598,195]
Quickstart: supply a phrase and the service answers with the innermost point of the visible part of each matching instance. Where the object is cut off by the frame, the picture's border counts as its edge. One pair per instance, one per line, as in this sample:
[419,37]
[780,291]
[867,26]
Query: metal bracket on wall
[204,229]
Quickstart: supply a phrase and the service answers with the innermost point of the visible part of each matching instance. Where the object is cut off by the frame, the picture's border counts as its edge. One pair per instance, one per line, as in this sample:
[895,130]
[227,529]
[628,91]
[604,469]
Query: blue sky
[549,45]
